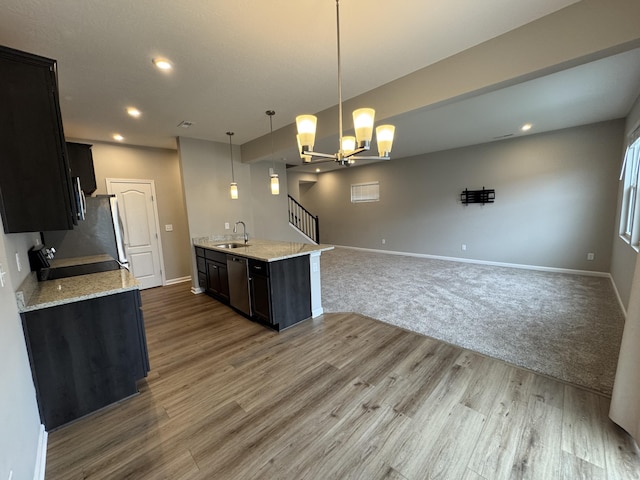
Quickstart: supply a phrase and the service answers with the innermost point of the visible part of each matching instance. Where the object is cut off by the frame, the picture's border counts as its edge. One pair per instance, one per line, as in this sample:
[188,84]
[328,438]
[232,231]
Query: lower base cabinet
[280,291]
[85,355]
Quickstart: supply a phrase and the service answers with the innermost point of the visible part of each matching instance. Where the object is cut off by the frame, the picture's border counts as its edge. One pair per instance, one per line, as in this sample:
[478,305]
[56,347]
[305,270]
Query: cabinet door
[261,298]
[213,278]
[85,355]
[223,281]
[81,164]
[36,193]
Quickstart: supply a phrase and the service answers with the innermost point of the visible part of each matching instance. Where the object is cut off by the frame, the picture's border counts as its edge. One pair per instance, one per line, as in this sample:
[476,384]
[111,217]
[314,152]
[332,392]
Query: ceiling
[234,60]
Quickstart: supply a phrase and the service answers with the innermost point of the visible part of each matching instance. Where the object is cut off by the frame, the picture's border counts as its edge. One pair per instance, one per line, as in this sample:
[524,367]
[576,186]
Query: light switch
[2,274]
[226,225]
[168,228]
[18,262]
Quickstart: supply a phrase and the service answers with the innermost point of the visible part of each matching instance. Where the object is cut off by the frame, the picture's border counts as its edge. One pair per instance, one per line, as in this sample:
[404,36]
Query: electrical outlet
[2,274]
[464,247]
[384,241]
[18,263]
[591,256]
[168,228]
[226,225]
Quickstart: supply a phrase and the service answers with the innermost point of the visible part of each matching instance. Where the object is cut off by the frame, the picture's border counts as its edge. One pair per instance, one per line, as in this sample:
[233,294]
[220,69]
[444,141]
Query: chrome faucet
[244,230]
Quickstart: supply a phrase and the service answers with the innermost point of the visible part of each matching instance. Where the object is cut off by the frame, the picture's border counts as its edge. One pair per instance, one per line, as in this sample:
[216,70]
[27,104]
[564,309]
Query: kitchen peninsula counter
[264,250]
[280,279]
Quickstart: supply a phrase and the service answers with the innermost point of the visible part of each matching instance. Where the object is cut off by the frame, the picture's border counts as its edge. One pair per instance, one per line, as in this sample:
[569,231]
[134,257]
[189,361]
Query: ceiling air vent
[503,136]
[185,124]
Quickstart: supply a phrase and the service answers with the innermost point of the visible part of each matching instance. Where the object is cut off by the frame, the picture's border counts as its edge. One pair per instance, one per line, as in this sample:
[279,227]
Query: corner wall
[161,166]
[19,417]
[623,257]
[555,201]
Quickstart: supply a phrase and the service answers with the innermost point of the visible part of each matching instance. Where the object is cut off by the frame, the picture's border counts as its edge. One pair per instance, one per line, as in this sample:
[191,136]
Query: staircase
[303,220]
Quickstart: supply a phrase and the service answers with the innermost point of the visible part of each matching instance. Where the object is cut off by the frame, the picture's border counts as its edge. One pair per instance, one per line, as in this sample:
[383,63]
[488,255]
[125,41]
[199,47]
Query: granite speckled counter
[265,250]
[34,295]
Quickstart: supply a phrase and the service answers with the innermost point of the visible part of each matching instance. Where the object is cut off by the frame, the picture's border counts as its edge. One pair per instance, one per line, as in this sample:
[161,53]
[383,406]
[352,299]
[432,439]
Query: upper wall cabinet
[36,192]
[81,163]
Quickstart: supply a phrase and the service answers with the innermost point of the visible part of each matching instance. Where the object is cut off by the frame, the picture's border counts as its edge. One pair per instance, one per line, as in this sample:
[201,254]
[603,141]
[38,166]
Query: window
[365,192]
[629,221]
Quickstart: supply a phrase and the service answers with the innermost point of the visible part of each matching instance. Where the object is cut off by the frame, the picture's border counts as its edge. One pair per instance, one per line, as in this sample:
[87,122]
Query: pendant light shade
[233,187]
[275,181]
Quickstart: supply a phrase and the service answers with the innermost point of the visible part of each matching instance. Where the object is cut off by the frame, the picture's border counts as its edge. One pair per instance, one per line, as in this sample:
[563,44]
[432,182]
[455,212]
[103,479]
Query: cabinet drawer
[256,267]
[216,256]
[199,252]
[202,265]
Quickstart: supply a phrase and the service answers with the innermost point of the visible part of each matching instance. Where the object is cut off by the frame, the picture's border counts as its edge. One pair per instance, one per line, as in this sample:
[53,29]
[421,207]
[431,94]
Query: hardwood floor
[339,397]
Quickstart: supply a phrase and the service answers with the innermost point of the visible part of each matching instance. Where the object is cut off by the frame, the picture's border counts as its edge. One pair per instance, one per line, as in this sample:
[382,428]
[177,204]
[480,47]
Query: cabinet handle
[257,268]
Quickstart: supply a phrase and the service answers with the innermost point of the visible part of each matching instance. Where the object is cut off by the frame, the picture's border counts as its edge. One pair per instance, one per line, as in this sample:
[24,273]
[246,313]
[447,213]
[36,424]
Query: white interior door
[138,212]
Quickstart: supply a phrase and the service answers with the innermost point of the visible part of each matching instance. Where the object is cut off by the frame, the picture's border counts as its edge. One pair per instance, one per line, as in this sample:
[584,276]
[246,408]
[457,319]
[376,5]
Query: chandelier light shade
[384,139]
[305,158]
[348,146]
[306,130]
[233,187]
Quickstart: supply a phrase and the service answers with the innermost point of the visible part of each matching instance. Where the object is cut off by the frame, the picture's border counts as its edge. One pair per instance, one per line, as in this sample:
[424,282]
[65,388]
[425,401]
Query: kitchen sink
[231,245]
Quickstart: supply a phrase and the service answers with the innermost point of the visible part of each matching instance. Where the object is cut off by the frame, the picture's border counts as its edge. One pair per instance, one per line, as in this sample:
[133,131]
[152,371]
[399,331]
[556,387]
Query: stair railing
[303,220]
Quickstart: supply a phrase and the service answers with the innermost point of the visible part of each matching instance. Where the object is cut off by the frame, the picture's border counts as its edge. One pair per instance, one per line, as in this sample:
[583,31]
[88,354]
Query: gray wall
[19,418]
[556,199]
[163,167]
[270,212]
[623,257]
[206,174]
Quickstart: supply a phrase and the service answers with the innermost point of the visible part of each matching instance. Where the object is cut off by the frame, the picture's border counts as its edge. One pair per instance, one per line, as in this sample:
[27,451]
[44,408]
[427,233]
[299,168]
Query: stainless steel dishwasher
[238,271]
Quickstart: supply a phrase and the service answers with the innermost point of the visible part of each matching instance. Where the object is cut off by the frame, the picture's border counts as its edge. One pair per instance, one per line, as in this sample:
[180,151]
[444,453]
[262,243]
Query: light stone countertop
[34,295]
[265,250]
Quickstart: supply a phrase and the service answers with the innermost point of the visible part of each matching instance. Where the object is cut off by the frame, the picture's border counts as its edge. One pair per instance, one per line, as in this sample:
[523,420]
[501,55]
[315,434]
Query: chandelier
[348,146]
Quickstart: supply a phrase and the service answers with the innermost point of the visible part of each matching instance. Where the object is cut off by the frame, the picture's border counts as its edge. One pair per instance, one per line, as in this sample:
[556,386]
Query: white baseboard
[486,262]
[317,312]
[173,281]
[615,289]
[41,456]
[197,290]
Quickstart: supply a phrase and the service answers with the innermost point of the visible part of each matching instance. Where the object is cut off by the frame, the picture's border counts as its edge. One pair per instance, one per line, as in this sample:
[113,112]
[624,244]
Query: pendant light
[347,146]
[275,181]
[233,187]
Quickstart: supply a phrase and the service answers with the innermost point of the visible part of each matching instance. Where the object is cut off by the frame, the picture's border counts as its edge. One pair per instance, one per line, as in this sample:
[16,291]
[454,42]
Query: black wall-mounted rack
[478,196]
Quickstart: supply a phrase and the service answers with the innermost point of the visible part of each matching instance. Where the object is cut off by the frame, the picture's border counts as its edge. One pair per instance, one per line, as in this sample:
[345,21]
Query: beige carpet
[566,326]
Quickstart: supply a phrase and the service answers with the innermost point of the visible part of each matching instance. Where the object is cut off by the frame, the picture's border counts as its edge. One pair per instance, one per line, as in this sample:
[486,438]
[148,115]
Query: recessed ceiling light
[134,112]
[526,127]
[317,170]
[118,137]
[162,63]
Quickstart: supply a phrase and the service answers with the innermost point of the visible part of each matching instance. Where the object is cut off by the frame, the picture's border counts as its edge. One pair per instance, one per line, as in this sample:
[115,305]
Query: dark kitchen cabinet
[81,164]
[85,355]
[213,274]
[280,291]
[36,192]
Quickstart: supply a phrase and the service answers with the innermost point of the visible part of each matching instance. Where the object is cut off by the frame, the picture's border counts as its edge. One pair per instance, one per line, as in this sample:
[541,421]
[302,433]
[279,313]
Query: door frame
[109,180]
